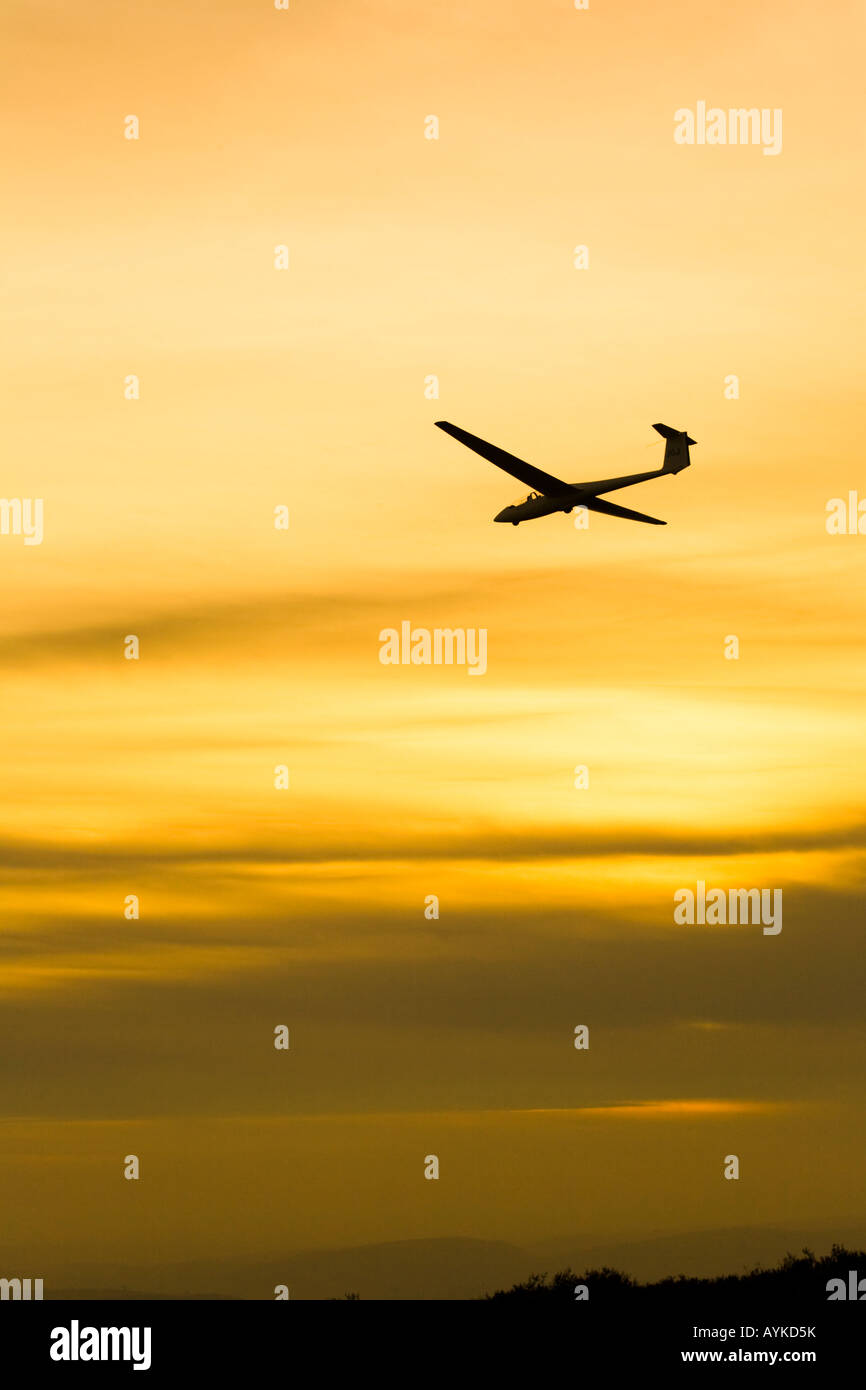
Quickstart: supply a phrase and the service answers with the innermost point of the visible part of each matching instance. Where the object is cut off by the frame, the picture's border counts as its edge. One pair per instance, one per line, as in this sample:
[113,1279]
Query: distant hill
[447,1268]
[123,1295]
[701,1254]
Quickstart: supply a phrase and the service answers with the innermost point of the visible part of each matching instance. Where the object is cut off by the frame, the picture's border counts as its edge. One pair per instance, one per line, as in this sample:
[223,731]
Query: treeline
[803,1279]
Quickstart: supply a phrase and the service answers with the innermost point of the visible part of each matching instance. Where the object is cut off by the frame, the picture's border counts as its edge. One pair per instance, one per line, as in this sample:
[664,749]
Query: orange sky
[411,258]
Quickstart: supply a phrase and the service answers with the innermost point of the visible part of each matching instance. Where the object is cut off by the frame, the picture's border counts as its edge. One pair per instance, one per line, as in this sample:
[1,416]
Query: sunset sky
[411,258]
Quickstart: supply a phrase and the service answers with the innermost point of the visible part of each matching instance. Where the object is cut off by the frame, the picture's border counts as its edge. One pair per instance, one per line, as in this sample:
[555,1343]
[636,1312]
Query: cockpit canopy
[533,497]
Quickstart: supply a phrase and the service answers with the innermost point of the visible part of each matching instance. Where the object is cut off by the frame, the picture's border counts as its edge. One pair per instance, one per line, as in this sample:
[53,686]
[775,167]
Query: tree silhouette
[801,1278]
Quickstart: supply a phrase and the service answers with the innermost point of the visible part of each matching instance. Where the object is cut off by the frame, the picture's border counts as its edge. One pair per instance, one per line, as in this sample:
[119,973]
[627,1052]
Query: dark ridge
[798,1278]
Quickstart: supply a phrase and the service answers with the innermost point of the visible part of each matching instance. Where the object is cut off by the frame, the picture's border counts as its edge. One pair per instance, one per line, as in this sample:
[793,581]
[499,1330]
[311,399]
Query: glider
[550,494]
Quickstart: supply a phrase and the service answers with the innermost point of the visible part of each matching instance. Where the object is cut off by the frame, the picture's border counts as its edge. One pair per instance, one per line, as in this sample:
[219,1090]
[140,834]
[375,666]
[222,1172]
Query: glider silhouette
[552,495]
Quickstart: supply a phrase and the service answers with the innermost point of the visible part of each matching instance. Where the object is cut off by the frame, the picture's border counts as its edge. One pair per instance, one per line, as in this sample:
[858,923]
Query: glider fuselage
[536,504]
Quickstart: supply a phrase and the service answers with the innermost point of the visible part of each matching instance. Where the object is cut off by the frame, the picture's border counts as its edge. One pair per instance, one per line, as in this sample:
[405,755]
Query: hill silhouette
[797,1279]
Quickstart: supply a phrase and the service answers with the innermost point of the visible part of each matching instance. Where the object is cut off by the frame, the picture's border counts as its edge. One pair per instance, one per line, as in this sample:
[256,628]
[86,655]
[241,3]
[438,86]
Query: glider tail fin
[676,448]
